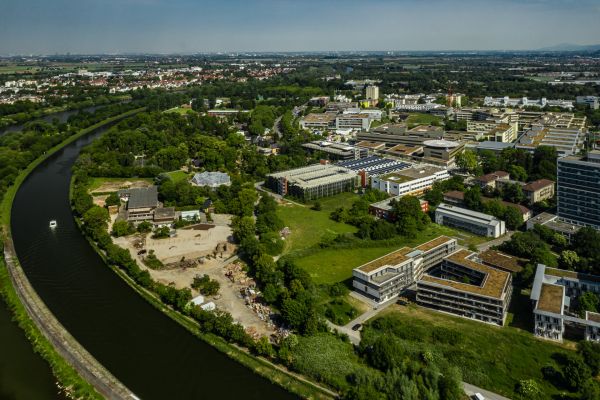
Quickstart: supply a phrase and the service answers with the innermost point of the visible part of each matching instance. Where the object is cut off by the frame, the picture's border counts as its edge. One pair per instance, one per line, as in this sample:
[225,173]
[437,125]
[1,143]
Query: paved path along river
[147,351]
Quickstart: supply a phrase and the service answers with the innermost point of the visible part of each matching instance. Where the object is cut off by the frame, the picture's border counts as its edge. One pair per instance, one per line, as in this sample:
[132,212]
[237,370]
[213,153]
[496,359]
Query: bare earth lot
[196,244]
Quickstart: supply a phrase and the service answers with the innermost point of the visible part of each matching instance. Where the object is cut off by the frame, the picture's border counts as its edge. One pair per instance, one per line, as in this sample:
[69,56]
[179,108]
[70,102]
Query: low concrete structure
[211,179]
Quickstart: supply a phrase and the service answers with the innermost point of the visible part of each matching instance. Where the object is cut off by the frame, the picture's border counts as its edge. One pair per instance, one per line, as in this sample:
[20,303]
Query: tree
[518,173]
[112,200]
[513,193]
[588,301]
[122,228]
[472,198]
[590,352]
[568,259]
[467,161]
[513,217]
[575,371]
[529,389]
[205,285]
[144,227]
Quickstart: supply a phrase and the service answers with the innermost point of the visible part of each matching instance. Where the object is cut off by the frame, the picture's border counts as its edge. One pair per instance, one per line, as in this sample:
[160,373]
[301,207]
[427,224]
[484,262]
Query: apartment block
[552,293]
[464,286]
[386,277]
[578,189]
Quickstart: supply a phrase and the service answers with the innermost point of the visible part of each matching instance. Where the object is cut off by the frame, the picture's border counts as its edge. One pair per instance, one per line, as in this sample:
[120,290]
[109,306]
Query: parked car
[356,327]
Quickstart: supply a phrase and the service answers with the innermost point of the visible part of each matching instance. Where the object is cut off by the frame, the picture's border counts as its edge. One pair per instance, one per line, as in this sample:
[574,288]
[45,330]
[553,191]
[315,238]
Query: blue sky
[170,26]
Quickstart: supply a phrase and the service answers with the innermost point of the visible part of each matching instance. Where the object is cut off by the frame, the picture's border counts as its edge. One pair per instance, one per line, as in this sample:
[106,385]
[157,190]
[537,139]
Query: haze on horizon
[188,26]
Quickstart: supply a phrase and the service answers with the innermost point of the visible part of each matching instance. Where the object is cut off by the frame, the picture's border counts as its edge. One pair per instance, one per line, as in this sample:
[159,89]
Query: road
[495,242]
[354,337]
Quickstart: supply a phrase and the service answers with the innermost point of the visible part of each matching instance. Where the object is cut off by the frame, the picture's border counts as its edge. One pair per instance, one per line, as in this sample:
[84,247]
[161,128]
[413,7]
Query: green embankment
[65,374]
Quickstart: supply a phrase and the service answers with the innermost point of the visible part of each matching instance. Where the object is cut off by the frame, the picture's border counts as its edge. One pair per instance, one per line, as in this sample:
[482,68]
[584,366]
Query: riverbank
[276,374]
[70,363]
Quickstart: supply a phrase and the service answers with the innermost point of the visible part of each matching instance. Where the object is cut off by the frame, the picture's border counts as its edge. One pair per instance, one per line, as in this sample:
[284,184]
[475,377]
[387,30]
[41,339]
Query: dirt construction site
[205,249]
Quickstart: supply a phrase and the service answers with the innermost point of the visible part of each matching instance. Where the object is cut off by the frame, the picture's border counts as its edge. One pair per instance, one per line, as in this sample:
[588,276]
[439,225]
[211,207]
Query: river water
[151,354]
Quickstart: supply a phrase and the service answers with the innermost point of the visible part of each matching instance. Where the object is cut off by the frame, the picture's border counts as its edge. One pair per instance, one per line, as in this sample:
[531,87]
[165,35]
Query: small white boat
[53,223]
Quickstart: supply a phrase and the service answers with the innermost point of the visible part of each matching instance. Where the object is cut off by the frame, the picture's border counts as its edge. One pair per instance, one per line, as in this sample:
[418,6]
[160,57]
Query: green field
[178,175]
[331,265]
[179,110]
[492,357]
[308,227]
[422,119]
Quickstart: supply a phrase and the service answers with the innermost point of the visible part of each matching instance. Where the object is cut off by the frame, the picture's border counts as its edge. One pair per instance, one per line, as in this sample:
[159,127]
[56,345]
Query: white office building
[472,221]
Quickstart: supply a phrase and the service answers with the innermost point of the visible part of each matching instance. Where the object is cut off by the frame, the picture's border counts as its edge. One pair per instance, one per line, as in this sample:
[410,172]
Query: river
[151,354]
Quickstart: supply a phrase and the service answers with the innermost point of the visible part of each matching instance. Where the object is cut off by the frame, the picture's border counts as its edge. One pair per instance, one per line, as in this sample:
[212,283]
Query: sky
[189,26]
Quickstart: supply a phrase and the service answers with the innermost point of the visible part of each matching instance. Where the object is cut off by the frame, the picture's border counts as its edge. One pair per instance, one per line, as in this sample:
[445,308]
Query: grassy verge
[66,375]
[492,357]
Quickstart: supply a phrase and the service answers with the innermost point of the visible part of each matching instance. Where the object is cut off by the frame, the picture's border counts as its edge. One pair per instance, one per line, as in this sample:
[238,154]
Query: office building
[386,277]
[372,92]
[411,181]
[552,294]
[373,166]
[335,151]
[464,286]
[361,121]
[313,182]
[318,121]
[578,189]
[565,141]
[442,150]
[393,134]
[591,101]
[472,221]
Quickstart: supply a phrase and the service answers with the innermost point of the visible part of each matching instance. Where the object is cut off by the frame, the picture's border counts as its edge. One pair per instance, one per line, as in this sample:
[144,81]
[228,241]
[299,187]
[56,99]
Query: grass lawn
[492,357]
[308,227]
[178,175]
[422,119]
[331,265]
[179,110]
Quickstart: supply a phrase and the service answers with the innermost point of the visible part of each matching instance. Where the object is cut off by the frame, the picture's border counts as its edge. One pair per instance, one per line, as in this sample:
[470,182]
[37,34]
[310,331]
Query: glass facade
[578,191]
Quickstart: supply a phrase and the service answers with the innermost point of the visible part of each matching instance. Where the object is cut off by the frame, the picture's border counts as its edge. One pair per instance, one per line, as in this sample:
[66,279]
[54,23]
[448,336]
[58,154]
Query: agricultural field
[492,357]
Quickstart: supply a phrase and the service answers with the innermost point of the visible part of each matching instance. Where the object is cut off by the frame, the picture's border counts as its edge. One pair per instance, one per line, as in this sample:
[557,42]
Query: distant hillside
[572,47]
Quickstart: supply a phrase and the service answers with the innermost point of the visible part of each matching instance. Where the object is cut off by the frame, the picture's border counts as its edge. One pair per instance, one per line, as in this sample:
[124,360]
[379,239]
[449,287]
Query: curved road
[147,351]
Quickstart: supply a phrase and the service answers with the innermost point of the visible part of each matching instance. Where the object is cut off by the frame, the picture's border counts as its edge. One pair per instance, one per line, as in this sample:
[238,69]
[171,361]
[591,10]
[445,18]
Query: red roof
[537,185]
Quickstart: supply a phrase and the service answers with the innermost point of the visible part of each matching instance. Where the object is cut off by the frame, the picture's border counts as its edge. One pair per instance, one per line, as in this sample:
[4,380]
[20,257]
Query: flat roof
[501,260]
[393,258]
[592,316]
[551,298]
[413,173]
[466,213]
[432,244]
[563,273]
[494,282]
